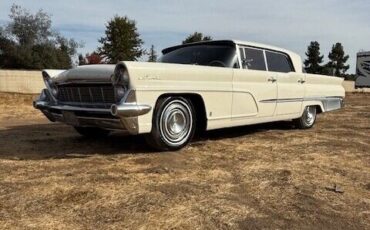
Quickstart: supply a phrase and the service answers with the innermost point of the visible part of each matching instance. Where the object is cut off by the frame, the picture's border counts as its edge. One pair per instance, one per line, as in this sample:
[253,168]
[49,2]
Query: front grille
[95,95]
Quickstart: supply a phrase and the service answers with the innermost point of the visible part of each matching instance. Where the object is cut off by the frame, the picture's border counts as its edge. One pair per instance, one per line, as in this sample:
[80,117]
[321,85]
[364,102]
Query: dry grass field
[254,177]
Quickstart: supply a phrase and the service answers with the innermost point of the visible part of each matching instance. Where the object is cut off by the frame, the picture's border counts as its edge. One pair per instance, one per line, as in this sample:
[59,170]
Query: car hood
[87,73]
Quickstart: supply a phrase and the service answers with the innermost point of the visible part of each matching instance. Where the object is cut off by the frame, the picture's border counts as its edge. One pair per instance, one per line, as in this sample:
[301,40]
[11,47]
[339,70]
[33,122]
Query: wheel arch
[319,106]
[199,106]
[319,109]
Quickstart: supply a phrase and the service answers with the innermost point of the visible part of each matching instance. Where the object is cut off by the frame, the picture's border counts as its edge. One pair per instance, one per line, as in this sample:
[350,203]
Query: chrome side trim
[321,98]
[281,100]
[329,103]
[298,99]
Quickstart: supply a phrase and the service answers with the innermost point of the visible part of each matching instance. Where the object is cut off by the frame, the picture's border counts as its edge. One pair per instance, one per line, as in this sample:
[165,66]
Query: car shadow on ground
[235,132]
[59,141]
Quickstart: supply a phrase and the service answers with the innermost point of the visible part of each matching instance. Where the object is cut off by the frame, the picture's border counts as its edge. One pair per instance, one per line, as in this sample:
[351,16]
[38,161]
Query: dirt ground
[254,177]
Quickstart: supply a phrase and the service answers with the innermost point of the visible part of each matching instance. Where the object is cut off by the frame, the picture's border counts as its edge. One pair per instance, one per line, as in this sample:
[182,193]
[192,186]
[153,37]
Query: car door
[290,87]
[254,89]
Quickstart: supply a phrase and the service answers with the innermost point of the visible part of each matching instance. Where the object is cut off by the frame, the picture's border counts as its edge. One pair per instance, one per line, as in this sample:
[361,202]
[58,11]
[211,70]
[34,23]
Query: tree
[90,59]
[29,42]
[313,62]
[337,64]
[82,60]
[7,49]
[27,28]
[94,58]
[121,42]
[196,37]
[152,54]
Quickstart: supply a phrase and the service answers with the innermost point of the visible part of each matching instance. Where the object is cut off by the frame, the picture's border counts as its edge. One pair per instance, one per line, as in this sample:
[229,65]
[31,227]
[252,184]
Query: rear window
[278,62]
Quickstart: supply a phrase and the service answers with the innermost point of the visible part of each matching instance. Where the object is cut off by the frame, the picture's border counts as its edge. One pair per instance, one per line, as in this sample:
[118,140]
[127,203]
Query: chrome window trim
[267,66]
[284,54]
[254,48]
[239,56]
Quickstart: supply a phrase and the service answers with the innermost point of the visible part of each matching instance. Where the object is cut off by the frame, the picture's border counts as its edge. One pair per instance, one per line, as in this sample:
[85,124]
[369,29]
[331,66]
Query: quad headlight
[50,85]
[120,76]
[119,92]
[120,81]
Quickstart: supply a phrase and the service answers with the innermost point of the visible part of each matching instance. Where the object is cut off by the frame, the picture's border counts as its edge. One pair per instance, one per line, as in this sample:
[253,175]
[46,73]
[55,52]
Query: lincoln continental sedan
[193,87]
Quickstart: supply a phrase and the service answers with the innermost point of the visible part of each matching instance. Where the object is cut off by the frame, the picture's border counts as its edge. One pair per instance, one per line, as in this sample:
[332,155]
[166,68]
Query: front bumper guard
[123,116]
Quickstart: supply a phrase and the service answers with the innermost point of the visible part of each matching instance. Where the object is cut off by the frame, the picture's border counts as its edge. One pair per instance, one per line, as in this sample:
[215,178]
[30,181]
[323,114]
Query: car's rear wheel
[92,132]
[173,124]
[308,118]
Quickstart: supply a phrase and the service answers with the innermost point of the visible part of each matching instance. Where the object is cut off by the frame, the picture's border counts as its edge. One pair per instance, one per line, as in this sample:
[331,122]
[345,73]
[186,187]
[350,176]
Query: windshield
[208,55]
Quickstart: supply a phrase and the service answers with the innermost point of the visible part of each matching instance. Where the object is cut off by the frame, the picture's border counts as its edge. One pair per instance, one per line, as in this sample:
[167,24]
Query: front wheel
[173,124]
[308,118]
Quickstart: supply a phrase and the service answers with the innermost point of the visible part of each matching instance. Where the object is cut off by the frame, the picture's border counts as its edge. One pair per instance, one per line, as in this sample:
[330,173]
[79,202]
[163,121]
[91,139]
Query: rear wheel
[173,124]
[308,118]
[92,132]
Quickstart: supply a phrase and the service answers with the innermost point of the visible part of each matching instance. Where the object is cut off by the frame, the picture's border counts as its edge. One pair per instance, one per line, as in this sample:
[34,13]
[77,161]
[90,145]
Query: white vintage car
[198,86]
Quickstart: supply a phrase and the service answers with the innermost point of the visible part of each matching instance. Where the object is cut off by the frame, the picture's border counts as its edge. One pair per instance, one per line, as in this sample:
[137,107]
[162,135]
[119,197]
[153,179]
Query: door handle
[272,79]
[301,81]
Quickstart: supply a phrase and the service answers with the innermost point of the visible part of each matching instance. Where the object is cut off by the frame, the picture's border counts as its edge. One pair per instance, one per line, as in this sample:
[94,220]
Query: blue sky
[290,24]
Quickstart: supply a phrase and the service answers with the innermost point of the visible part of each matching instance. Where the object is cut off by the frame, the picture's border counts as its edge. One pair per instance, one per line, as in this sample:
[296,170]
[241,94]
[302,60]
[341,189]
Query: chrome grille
[86,94]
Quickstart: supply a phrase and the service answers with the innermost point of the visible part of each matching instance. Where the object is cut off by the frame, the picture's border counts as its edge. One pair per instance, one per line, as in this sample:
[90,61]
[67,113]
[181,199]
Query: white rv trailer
[363,70]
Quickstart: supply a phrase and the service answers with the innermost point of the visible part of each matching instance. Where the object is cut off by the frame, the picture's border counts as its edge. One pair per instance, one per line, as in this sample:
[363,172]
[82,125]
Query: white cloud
[291,24]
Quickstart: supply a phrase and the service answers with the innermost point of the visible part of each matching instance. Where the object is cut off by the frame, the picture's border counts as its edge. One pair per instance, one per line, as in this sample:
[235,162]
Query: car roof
[229,42]
[296,59]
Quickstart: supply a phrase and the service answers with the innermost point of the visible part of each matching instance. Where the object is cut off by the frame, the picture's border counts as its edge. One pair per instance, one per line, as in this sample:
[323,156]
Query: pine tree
[152,55]
[313,62]
[196,37]
[338,59]
[81,60]
[121,42]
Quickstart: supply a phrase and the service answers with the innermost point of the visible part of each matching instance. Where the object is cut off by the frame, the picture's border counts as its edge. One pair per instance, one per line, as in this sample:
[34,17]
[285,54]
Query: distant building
[363,70]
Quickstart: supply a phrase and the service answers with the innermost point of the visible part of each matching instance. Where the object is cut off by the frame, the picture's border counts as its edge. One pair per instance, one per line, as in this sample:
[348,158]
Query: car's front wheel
[308,118]
[92,132]
[173,124]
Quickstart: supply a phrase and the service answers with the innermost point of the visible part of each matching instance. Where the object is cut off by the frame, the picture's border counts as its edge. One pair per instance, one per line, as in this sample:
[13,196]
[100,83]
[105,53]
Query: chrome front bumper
[123,116]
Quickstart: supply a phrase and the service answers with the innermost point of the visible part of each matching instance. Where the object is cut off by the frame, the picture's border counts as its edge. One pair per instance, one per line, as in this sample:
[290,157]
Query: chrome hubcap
[310,115]
[176,123]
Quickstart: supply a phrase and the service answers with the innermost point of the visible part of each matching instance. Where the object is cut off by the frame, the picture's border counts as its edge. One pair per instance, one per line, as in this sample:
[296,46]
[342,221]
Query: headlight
[54,90]
[47,80]
[120,76]
[119,92]
[50,85]
[120,81]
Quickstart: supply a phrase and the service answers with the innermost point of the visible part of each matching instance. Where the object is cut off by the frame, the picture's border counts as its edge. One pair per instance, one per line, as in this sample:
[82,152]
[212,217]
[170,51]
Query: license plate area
[70,118]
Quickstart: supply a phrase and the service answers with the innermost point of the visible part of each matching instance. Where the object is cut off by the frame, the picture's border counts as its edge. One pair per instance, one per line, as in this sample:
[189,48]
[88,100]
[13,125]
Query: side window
[278,62]
[253,59]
